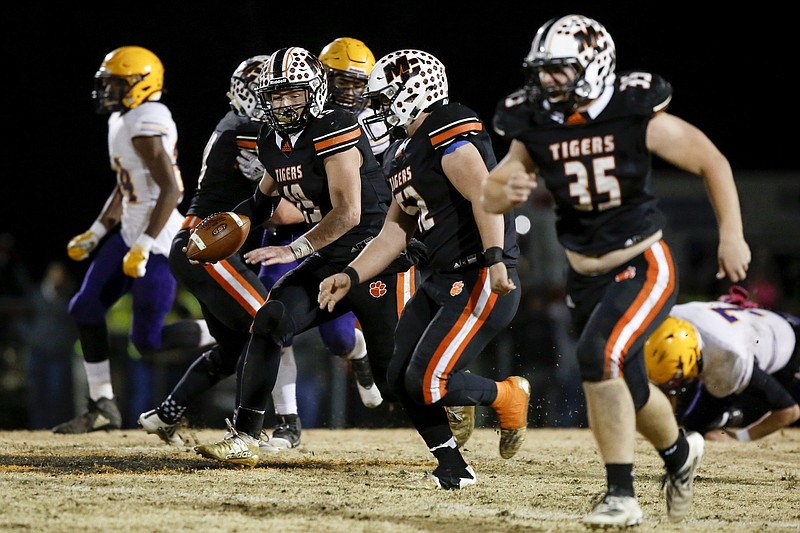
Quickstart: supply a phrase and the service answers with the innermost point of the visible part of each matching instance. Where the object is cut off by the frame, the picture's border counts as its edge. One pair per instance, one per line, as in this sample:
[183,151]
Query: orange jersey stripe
[406,285]
[480,304]
[342,138]
[237,286]
[249,144]
[659,285]
[448,134]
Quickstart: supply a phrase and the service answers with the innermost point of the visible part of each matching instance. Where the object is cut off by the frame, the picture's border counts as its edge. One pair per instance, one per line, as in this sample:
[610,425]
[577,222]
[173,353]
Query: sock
[284,394]
[503,391]
[170,411]
[249,421]
[98,376]
[619,478]
[448,455]
[359,351]
[675,456]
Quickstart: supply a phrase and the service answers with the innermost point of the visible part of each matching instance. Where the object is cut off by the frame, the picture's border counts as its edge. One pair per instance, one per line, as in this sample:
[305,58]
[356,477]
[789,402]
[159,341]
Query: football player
[588,133]
[722,356]
[317,158]
[229,291]
[143,207]
[347,63]
[469,292]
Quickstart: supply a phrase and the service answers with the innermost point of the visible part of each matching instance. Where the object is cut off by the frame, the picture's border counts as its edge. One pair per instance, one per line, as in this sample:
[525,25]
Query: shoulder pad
[450,122]
[644,92]
[512,114]
[334,130]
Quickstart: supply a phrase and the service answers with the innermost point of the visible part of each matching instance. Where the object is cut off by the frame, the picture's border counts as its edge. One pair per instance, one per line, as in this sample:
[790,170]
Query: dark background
[729,72]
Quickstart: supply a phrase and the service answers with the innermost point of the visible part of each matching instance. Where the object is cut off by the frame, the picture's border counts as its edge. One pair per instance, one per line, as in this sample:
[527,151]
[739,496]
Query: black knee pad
[636,379]
[216,364]
[273,321]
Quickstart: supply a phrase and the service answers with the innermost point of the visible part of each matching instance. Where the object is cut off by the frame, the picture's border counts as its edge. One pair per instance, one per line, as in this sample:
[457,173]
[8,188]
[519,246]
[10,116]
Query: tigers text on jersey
[140,191]
[221,185]
[732,338]
[413,167]
[595,163]
[297,165]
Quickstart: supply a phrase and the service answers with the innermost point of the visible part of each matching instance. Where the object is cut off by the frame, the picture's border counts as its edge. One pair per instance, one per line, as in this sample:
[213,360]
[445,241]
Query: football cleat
[235,447]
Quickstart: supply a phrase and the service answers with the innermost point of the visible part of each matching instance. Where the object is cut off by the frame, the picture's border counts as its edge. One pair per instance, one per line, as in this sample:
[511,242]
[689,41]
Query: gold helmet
[348,63]
[673,354]
[127,77]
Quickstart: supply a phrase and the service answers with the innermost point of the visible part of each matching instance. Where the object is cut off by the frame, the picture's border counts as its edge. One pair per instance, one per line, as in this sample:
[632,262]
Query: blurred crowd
[41,381]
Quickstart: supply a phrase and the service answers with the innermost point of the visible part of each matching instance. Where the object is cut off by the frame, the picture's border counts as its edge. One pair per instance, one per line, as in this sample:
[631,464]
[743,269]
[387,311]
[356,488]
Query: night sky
[730,78]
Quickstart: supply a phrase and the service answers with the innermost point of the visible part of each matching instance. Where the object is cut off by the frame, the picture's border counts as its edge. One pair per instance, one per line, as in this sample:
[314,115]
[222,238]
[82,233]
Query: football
[218,237]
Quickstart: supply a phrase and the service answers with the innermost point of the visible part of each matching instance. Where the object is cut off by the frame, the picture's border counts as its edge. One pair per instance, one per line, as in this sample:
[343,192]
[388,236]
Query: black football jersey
[413,168]
[297,164]
[221,185]
[599,169]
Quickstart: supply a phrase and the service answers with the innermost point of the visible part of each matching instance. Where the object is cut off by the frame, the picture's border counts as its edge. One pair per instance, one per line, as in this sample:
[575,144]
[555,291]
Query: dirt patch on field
[371,481]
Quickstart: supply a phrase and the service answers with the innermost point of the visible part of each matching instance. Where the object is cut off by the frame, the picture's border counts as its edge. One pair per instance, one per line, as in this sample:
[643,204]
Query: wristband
[98,229]
[743,435]
[492,255]
[353,275]
[301,247]
[145,242]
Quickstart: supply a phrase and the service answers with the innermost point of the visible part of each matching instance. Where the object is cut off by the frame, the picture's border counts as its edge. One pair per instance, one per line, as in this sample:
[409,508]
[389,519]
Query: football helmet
[348,63]
[575,43]
[673,355]
[403,84]
[127,77]
[292,68]
[242,94]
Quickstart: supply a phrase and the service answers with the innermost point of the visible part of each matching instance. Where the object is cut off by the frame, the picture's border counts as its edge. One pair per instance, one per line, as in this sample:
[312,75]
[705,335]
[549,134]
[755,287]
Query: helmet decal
[242,93]
[575,44]
[289,69]
[402,85]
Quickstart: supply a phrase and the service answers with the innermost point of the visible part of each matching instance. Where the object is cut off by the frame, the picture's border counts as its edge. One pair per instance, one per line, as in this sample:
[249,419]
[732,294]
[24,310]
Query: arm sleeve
[767,387]
[259,207]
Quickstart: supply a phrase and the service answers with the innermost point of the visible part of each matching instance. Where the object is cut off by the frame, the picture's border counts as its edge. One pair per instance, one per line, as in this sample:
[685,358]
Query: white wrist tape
[743,435]
[145,242]
[98,229]
[301,247]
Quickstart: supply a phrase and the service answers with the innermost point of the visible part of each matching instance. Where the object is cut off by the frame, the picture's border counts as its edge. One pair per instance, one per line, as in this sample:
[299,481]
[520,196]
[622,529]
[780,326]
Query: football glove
[249,165]
[134,264]
[80,246]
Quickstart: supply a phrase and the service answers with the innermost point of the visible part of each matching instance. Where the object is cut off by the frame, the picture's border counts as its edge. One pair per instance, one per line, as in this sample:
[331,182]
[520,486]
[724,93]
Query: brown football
[218,237]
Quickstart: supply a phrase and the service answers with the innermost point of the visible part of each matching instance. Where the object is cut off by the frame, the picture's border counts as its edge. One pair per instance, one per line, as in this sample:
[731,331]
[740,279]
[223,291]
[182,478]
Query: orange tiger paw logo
[456,289]
[377,289]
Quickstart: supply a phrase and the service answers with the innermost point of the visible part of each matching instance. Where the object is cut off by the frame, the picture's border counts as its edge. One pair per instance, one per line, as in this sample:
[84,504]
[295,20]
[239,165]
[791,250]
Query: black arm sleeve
[767,387]
[259,208]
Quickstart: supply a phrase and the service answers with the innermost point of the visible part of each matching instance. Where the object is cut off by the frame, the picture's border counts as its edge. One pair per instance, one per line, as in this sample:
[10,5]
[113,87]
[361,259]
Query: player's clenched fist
[80,246]
[134,264]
